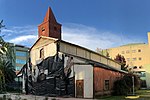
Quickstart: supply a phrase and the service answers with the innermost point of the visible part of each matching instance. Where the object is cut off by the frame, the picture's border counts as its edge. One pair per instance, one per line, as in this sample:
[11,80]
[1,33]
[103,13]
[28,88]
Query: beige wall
[49,49]
[132,55]
[84,53]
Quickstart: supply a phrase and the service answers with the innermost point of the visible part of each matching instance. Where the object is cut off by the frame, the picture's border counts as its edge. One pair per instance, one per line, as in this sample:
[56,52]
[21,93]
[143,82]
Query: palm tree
[7,72]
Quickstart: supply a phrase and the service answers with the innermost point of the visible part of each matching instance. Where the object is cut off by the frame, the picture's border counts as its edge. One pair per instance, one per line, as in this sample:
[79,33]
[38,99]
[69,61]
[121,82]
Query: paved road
[33,97]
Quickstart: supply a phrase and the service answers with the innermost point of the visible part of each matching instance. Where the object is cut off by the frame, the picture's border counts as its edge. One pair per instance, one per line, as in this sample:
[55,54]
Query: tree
[120,59]
[7,72]
[124,85]
[1,25]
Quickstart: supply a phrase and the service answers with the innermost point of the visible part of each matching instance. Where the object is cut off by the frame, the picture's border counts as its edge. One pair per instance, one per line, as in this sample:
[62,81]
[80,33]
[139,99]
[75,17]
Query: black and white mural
[51,76]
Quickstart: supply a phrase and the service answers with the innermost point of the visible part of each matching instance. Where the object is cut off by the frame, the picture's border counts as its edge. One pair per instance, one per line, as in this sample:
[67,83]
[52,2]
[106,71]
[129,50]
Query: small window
[128,59]
[43,29]
[133,59]
[42,53]
[55,28]
[140,67]
[133,51]
[135,67]
[127,51]
[130,69]
[122,52]
[139,50]
[140,58]
[106,84]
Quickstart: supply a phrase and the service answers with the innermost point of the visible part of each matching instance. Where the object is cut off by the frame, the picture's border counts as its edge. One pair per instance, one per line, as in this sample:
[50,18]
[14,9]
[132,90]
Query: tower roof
[49,15]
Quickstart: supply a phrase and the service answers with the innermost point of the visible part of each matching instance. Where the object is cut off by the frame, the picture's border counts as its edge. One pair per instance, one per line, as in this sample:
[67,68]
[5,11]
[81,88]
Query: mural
[51,76]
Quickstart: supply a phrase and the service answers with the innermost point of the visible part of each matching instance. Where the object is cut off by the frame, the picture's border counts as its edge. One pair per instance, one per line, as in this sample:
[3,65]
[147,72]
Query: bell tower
[49,27]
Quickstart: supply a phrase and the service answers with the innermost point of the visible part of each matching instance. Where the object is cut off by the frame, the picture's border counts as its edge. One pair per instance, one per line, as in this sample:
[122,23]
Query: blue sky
[106,23]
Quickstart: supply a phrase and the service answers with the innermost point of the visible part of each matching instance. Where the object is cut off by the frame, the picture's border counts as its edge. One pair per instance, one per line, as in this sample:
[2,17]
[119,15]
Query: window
[21,53]
[20,61]
[55,28]
[135,67]
[127,51]
[18,68]
[142,74]
[128,59]
[130,69]
[122,52]
[133,59]
[140,67]
[42,53]
[133,51]
[43,29]
[106,84]
[140,58]
[139,50]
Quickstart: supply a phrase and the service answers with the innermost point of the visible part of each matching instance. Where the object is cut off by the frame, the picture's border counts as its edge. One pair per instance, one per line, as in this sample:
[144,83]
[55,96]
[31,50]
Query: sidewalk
[33,97]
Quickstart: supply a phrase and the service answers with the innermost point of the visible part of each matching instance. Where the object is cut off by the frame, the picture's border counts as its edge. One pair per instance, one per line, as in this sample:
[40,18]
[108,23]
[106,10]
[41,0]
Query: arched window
[140,67]
[135,67]
[42,53]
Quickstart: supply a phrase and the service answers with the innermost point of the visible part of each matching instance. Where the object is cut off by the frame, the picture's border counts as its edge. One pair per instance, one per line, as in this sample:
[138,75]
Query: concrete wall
[85,53]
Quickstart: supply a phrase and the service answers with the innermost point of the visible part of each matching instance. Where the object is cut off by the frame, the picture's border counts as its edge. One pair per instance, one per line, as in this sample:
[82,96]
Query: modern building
[18,56]
[21,56]
[61,68]
[137,57]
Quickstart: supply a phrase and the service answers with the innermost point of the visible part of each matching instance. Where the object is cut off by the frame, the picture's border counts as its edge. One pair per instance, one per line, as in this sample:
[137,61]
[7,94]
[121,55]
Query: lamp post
[133,83]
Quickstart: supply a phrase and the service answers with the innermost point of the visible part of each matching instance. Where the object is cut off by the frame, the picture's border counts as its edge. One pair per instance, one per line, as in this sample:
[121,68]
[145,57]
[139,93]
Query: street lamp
[133,83]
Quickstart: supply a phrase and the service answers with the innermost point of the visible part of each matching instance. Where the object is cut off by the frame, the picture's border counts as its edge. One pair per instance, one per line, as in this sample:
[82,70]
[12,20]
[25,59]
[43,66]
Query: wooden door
[79,88]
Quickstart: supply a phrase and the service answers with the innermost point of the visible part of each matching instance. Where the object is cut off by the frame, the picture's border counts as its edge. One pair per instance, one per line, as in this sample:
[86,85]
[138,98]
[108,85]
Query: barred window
[106,84]
[42,53]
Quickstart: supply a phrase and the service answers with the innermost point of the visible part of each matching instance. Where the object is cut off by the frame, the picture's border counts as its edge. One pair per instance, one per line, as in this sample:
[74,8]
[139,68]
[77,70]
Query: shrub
[124,85]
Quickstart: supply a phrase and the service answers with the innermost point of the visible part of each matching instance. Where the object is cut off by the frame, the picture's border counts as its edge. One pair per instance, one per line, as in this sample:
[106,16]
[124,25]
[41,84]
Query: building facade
[137,58]
[21,56]
[61,68]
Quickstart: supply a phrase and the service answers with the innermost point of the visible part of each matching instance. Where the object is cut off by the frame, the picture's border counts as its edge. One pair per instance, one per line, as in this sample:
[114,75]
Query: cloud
[24,40]
[93,38]
[23,35]
[20,30]
[79,34]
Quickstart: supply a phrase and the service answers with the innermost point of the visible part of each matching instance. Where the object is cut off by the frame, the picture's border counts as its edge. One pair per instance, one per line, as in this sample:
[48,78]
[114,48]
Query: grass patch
[112,98]
[141,94]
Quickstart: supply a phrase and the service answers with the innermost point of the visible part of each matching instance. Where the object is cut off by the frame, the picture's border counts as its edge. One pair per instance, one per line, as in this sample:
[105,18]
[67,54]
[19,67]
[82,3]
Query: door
[79,88]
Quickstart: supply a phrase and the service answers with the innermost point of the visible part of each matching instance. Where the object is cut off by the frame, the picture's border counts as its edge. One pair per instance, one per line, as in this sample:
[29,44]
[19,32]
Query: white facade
[85,73]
